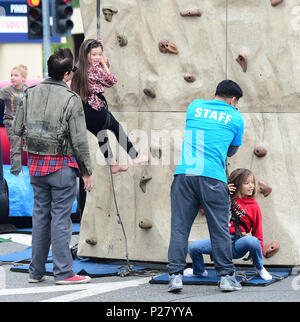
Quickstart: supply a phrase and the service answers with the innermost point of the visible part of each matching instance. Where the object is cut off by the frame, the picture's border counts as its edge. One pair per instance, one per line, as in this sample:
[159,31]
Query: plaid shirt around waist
[42,165]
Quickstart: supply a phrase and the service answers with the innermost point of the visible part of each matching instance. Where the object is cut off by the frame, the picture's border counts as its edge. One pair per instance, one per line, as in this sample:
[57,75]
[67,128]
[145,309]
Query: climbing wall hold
[274,3]
[260,151]
[189,78]
[271,249]
[150,92]
[191,13]
[166,46]
[242,60]
[91,241]
[108,13]
[155,152]
[122,39]
[144,181]
[264,188]
[145,224]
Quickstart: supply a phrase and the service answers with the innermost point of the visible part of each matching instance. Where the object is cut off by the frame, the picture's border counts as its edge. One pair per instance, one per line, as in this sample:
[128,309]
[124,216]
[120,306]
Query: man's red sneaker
[76,279]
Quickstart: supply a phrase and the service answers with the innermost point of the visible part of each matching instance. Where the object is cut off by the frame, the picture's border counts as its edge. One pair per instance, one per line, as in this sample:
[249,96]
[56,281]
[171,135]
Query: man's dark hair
[60,63]
[229,89]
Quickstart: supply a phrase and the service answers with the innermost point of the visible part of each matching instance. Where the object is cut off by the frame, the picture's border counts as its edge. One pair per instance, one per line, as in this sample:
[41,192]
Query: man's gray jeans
[51,222]
[188,192]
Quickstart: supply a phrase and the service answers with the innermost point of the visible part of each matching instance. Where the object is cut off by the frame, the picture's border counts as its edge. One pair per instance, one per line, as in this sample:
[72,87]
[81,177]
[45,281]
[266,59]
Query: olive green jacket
[51,121]
[12,98]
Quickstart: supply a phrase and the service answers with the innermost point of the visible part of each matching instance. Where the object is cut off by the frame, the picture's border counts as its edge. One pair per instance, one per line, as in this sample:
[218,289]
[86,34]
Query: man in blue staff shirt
[214,130]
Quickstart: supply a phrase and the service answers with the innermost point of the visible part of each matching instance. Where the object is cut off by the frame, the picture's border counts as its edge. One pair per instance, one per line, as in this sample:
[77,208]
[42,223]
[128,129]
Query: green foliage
[55,46]
[75,3]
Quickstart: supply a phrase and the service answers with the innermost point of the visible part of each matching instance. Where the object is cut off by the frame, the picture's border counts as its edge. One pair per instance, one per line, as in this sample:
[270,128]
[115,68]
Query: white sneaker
[188,272]
[175,283]
[264,274]
[229,283]
[32,280]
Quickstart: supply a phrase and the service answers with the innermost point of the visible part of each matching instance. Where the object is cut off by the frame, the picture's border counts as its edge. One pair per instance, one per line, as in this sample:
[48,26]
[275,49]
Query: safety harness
[236,216]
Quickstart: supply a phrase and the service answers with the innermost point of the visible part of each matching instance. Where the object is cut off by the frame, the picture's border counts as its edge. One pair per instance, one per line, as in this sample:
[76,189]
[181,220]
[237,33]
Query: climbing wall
[165,54]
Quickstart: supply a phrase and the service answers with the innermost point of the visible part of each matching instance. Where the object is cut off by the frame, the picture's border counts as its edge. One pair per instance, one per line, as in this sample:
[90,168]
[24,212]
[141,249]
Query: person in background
[51,122]
[2,106]
[12,96]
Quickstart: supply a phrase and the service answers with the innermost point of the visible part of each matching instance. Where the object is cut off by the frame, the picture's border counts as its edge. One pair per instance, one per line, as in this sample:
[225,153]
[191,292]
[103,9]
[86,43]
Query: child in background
[241,184]
[12,96]
[89,81]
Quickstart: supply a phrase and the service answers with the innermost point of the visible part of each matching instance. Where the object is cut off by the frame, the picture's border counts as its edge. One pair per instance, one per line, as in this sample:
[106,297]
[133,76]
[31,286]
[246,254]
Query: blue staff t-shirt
[211,127]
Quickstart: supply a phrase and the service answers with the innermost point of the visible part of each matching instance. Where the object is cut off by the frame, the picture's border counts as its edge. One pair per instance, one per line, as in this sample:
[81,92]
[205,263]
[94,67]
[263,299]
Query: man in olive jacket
[52,126]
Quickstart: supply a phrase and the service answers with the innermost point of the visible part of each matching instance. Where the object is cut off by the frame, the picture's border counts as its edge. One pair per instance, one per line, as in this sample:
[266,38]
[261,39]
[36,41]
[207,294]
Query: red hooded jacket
[252,219]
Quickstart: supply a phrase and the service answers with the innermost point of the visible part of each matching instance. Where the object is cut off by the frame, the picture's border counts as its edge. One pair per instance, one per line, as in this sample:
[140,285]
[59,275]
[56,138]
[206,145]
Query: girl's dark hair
[59,63]
[238,177]
[228,89]
[79,82]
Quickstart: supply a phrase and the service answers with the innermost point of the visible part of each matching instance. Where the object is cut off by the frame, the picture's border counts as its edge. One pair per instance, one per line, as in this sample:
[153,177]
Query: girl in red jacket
[246,218]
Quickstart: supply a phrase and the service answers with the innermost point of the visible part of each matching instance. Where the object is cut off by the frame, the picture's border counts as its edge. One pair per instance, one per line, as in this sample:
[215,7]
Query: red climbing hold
[264,188]
[189,78]
[242,60]
[260,151]
[166,46]
[275,3]
[191,13]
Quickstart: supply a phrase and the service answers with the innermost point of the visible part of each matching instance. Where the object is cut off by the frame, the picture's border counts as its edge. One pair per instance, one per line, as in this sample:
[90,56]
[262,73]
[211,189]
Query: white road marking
[86,290]
[19,238]
[2,278]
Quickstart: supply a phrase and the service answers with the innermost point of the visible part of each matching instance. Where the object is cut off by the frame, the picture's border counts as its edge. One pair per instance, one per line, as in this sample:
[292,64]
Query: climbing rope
[247,276]
[226,39]
[128,269]
[119,219]
[16,263]
[98,19]
[226,67]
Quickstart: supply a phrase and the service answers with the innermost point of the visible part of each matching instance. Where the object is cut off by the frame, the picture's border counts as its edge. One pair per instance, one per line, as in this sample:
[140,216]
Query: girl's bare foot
[141,159]
[116,167]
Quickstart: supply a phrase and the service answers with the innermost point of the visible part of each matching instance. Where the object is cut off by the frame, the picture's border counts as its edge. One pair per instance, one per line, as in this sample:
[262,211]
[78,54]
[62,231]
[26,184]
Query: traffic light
[34,19]
[62,11]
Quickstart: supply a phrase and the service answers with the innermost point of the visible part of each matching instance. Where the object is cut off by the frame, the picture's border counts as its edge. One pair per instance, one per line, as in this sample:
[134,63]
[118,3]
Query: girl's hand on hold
[103,60]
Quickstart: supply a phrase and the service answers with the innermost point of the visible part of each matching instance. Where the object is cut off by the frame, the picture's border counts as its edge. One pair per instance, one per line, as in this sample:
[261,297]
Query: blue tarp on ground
[213,279]
[82,266]
[75,231]
[21,193]
[23,256]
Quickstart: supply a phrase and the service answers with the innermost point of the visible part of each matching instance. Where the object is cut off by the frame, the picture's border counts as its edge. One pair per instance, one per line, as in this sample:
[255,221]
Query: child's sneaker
[188,272]
[76,279]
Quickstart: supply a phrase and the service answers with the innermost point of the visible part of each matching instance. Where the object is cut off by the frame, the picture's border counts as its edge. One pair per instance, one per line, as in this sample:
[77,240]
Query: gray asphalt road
[15,288]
